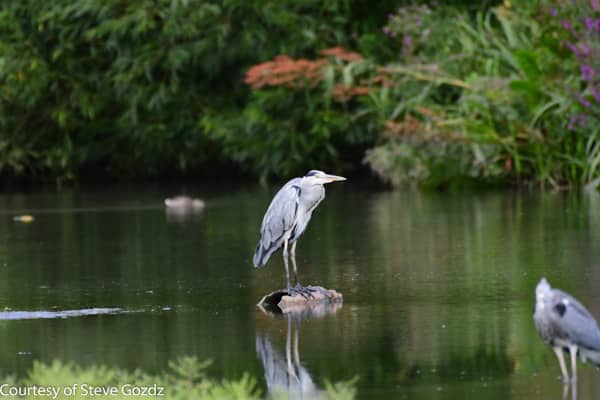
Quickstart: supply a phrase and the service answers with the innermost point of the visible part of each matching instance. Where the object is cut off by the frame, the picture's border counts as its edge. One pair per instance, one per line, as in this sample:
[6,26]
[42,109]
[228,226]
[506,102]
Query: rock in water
[281,301]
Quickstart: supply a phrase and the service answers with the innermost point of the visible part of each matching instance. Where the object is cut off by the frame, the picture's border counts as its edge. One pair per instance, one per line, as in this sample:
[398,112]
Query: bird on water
[566,325]
[287,217]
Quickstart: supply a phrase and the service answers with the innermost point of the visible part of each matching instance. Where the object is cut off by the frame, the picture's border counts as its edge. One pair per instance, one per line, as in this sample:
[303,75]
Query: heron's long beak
[334,178]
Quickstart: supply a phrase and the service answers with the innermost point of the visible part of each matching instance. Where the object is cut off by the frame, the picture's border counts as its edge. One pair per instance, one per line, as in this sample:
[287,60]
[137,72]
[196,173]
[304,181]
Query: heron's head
[542,291]
[319,177]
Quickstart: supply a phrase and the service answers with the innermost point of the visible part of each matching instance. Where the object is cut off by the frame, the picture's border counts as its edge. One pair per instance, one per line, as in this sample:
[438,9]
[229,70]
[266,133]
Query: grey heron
[287,217]
[566,325]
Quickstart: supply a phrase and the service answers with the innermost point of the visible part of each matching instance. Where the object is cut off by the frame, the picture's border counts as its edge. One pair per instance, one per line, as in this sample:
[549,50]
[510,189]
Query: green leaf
[527,62]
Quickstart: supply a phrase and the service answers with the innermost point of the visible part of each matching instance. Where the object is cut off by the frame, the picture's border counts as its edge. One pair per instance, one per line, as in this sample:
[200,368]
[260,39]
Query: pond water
[438,287]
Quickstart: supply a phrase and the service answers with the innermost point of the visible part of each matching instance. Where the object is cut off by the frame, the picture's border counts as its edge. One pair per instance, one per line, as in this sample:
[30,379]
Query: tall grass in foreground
[186,378]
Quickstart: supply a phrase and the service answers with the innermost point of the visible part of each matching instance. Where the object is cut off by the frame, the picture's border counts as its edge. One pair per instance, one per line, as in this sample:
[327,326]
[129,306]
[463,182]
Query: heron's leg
[561,360]
[287,268]
[573,351]
[304,291]
[294,263]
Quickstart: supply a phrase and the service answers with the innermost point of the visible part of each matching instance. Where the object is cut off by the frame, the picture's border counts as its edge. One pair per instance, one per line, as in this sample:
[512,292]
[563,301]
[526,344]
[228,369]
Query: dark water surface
[438,287]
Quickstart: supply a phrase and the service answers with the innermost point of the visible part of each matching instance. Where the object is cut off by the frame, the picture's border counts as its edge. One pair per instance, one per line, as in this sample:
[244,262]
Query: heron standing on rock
[566,325]
[287,217]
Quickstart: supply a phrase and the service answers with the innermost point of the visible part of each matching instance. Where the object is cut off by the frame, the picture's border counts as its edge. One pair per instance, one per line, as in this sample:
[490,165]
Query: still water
[438,287]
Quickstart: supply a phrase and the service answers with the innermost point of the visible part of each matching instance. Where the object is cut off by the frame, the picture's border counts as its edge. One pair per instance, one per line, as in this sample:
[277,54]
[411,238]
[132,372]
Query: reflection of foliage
[341,390]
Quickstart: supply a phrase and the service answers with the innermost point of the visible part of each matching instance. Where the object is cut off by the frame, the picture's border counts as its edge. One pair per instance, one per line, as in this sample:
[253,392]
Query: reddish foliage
[342,54]
[285,71]
[341,92]
[288,72]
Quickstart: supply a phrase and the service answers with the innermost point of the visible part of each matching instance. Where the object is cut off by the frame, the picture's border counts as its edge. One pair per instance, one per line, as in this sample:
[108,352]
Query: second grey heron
[287,217]
[566,325]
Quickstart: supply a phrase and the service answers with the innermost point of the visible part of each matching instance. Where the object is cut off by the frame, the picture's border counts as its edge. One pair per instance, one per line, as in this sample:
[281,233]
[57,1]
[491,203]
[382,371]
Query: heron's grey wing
[570,317]
[278,220]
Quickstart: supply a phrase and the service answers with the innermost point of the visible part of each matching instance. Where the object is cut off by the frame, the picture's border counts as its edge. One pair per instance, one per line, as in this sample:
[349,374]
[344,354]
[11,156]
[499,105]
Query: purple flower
[595,93]
[592,24]
[584,102]
[574,49]
[587,72]
[577,120]
[390,16]
[553,12]
[407,40]
[567,25]
[595,4]
[386,30]
[586,49]
[572,122]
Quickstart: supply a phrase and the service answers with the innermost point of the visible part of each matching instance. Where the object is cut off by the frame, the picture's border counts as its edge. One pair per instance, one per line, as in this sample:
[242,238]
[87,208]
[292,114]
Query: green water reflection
[438,287]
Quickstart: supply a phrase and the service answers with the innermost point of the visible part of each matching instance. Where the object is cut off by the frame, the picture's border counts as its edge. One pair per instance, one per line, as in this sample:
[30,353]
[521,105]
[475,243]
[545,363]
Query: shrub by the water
[434,93]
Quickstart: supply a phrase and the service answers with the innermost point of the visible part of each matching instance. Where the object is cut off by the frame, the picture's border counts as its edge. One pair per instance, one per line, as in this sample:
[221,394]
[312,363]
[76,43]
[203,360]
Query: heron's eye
[561,309]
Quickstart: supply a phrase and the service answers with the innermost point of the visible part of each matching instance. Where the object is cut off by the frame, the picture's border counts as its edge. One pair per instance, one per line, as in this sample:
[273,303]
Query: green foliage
[127,88]
[95,82]
[157,88]
[284,132]
[185,379]
[491,101]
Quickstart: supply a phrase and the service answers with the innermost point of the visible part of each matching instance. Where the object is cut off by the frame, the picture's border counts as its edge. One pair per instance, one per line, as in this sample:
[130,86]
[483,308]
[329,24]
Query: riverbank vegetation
[426,93]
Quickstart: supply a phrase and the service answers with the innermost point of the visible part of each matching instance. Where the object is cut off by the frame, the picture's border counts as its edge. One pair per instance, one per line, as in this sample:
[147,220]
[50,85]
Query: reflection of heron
[565,324]
[287,217]
[565,394]
[285,375]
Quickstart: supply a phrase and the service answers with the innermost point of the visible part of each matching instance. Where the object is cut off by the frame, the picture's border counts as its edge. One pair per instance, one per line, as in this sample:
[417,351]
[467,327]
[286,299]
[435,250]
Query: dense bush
[495,97]
[131,88]
[301,113]
[439,91]
[100,83]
